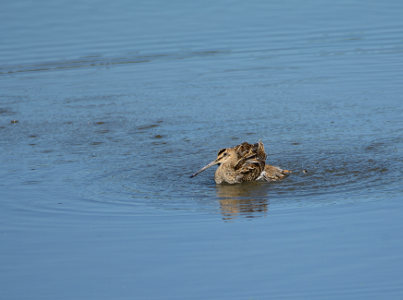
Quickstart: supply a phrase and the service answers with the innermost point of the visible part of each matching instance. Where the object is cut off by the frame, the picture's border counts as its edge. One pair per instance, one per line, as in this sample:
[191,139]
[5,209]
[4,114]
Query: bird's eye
[225,154]
[221,151]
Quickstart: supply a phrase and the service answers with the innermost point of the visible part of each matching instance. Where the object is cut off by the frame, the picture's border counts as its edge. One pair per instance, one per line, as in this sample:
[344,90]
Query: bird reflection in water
[247,200]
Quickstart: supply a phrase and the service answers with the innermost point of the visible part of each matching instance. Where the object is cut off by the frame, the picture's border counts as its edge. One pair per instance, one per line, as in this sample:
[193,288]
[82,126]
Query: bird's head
[224,156]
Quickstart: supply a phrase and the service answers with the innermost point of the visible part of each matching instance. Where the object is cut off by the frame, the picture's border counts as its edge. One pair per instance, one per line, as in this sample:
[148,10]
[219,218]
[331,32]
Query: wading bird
[244,162]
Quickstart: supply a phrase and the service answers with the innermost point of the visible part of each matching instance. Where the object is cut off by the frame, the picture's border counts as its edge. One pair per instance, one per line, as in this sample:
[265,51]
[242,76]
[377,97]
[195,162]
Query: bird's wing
[251,167]
[260,152]
[250,170]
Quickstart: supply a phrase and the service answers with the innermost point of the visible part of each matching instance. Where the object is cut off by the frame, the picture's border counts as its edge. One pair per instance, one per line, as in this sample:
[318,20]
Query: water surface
[107,108]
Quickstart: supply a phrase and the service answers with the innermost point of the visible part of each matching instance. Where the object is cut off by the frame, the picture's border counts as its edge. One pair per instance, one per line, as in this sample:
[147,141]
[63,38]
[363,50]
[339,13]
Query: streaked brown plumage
[244,162]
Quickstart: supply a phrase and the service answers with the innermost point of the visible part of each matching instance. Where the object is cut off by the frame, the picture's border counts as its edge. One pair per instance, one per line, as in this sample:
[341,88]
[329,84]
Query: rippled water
[106,108]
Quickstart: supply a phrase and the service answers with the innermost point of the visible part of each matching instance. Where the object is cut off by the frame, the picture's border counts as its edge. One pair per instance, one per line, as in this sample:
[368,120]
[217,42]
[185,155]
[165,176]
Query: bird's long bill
[214,162]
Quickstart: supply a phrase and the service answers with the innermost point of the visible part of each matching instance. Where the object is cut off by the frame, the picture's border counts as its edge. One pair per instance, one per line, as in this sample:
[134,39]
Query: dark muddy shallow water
[107,108]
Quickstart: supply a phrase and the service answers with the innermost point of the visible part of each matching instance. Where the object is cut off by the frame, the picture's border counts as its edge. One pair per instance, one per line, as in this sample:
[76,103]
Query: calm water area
[107,108]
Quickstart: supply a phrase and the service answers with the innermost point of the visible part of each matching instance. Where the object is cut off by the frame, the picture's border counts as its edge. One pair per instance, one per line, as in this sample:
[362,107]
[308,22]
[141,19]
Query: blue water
[107,107]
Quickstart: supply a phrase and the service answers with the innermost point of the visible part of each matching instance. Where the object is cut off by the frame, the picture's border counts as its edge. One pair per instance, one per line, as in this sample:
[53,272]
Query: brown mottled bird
[244,162]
